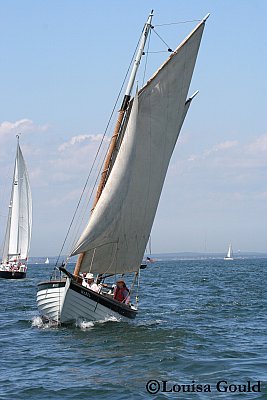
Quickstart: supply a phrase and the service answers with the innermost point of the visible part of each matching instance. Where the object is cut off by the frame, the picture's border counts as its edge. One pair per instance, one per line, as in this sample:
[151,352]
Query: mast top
[139,54]
[206,17]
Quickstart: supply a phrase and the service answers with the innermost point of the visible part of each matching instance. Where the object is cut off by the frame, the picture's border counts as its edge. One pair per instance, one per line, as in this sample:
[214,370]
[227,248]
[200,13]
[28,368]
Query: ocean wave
[84,325]
[37,322]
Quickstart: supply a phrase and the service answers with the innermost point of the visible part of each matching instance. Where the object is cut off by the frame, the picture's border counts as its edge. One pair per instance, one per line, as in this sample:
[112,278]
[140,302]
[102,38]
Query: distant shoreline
[168,257]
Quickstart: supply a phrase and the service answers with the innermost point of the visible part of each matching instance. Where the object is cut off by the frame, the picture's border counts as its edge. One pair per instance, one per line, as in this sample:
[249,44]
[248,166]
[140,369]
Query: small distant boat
[148,260]
[47,261]
[143,266]
[19,223]
[229,255]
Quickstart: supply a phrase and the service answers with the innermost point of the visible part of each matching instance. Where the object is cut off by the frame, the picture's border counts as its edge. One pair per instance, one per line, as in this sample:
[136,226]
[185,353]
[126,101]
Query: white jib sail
[230,252]
[115,238]
[19,224]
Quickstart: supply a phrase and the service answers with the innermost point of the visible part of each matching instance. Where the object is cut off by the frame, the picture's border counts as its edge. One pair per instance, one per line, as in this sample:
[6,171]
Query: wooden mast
[118,125]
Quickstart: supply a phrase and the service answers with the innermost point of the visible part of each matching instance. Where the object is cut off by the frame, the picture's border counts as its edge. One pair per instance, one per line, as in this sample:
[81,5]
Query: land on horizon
[166,256]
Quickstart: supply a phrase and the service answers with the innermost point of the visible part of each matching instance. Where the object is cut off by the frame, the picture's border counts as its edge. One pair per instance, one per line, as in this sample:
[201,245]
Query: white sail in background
[19,224]
[229,255]
[47,261]
[115,238]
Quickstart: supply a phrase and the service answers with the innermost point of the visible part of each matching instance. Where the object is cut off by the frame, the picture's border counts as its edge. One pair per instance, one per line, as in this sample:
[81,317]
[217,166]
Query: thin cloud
[79,139]
[220,147]
[235,154]
[8,128]
[258,146]
[241,158]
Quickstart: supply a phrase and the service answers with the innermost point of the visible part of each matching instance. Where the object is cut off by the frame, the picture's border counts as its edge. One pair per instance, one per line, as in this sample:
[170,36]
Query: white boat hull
[49,299]
[68,302]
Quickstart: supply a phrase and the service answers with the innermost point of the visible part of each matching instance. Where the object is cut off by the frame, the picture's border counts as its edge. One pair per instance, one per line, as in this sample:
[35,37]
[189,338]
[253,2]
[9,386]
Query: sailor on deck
[89,282]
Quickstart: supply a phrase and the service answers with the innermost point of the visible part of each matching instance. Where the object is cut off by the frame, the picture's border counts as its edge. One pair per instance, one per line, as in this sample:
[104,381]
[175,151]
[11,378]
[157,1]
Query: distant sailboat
[114,241]
[229,255]
[47,261]
[19,223]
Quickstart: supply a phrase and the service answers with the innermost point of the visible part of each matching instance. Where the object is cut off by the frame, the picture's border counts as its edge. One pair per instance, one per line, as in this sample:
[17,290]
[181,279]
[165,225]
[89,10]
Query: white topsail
[115,238]
[19,224]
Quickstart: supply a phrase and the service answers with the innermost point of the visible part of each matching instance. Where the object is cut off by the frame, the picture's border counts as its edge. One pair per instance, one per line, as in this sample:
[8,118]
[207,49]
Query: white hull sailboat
[229,255]
[47,261]
[114,241]
[19,223]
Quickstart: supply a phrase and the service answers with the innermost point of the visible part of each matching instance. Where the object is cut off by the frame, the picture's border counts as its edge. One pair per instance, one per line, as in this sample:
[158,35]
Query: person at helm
[89,282]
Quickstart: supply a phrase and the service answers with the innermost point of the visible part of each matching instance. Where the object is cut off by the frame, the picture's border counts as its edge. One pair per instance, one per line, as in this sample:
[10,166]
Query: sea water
[200,334]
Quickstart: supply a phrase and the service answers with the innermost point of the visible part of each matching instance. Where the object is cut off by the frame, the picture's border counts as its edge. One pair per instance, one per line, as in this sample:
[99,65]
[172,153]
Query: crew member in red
[121,292]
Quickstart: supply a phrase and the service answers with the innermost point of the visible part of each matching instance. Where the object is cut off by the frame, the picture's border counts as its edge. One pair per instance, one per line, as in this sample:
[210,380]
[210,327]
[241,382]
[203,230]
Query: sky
[61,67]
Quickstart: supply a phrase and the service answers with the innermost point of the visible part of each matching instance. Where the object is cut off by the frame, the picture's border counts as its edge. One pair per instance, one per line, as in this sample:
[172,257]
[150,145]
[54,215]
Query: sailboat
[47,261]
[114,241]
[229,255]
[19,223]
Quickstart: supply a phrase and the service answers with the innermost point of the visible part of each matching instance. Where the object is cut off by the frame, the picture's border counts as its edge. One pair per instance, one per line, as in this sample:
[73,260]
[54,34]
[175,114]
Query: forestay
[19,225]
[115,238]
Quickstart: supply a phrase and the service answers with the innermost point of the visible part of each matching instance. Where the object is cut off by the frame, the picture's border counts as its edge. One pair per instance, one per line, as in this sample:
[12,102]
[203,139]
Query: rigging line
[137,289]
[81,216]
[85,207]
[100,170]
[148,43]
[169,49]
[131,290]
[181,22]
[100,145]
[86,183]
[150,245]
[154,52]
[80,199]
[101,167]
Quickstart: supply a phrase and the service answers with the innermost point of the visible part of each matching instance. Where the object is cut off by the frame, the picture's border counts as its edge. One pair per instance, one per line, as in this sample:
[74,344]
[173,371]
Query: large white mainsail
[115,238]
[19,224]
